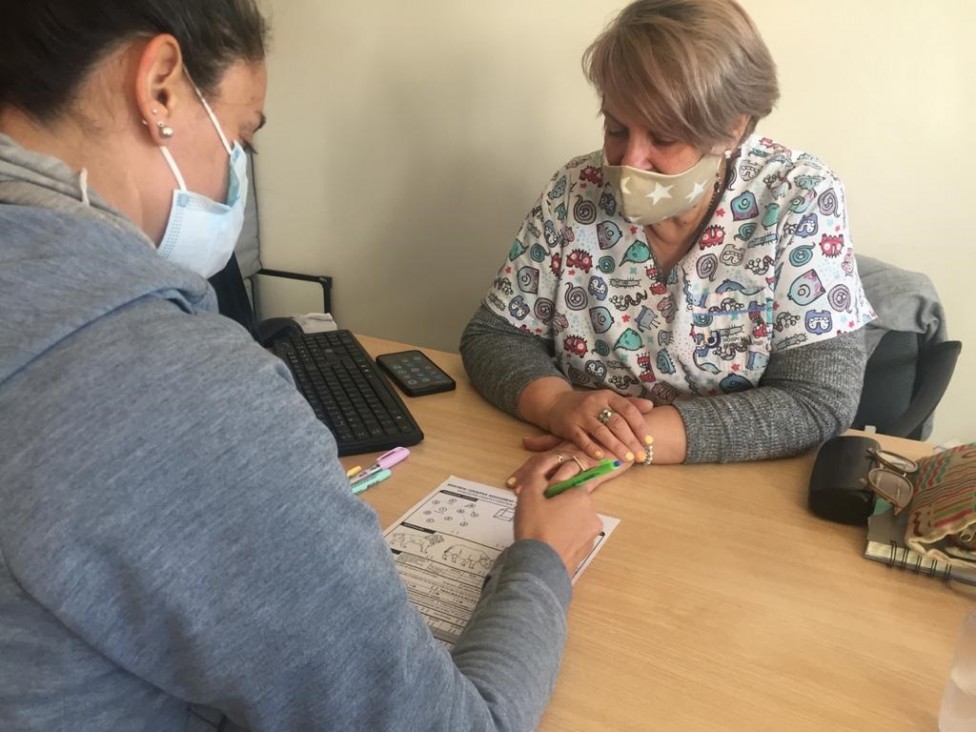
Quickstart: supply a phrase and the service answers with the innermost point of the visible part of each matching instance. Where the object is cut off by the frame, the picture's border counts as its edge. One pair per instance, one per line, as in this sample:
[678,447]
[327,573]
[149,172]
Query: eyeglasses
[890,479]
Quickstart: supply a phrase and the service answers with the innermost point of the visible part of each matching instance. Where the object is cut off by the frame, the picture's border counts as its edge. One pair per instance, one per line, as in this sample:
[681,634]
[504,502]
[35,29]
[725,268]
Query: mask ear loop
[220,133]
[172,166]
[213,118]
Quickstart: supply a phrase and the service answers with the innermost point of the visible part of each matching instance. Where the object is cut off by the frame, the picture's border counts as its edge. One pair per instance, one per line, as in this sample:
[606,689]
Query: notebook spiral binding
[917,568]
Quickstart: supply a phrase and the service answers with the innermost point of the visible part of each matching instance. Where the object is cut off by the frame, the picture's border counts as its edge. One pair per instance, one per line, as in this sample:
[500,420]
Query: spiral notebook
[886,543]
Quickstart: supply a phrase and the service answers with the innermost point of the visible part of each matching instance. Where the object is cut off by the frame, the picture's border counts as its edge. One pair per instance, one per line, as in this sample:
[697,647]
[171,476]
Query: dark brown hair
[48,47]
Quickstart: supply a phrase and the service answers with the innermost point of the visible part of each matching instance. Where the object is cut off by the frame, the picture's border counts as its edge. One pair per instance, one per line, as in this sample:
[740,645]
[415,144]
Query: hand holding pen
[567,523]
[565,462]
[604,467]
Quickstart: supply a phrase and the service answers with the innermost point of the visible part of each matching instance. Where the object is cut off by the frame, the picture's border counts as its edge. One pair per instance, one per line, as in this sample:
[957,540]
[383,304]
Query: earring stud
[165,130]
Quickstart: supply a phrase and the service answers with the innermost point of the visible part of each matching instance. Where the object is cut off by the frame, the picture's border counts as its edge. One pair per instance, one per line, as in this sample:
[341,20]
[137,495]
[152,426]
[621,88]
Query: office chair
[232,295]
[910,358]
[233,301]
[904,382]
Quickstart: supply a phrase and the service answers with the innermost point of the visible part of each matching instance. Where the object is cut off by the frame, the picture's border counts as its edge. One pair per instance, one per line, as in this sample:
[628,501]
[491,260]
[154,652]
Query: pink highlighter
[384,462]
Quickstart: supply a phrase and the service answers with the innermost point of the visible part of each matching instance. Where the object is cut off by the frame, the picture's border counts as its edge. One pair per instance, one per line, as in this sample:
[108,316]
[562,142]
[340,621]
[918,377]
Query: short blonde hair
[690,69]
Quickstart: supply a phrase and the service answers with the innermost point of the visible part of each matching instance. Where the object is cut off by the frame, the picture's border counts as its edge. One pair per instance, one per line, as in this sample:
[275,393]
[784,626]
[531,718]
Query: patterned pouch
[942,518]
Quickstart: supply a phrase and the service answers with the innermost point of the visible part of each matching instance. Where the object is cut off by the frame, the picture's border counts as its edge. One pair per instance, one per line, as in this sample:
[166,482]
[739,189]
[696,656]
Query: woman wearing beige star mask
[689,292]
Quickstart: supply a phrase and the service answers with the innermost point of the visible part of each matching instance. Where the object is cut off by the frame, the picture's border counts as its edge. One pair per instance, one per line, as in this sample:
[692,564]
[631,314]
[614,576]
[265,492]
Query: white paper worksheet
[445,545]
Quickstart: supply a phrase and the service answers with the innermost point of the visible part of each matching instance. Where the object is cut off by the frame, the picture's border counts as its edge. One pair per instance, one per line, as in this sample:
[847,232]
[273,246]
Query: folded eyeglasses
[890,478]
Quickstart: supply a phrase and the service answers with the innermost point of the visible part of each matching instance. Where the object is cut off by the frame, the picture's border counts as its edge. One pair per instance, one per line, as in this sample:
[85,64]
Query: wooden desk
[720,602]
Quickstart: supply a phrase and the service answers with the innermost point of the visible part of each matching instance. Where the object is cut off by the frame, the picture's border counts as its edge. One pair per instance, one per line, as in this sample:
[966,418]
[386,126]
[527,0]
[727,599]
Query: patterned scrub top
[773,269]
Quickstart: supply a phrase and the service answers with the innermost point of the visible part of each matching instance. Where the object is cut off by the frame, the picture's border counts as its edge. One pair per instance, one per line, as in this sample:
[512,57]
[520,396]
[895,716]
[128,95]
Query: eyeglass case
[838,485]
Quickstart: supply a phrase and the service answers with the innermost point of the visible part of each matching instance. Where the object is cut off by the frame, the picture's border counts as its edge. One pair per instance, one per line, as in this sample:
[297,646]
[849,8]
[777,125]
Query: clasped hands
[583,429]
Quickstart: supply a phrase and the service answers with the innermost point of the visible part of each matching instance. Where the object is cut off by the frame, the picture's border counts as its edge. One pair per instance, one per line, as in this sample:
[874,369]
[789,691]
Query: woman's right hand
[566,522]
[575,416]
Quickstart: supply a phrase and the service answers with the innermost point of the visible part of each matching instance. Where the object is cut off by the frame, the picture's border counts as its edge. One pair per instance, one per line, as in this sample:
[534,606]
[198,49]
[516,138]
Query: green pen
[596,471]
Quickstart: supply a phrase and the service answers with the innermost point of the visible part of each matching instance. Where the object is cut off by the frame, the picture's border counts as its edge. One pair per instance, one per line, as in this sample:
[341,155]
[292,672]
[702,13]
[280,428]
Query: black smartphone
[414,373]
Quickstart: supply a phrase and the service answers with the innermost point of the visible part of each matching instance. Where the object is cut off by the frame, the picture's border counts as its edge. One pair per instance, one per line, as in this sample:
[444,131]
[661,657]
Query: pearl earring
[165,131]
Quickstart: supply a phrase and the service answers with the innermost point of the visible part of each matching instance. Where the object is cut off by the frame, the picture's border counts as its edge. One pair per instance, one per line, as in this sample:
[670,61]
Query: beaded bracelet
[649,452]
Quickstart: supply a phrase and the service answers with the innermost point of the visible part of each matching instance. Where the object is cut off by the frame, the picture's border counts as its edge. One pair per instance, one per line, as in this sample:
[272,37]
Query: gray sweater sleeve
[501,360]
[806,395]
[204,546]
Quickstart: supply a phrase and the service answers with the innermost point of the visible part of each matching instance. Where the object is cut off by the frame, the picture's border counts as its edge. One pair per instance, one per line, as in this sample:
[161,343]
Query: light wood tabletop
[720,602]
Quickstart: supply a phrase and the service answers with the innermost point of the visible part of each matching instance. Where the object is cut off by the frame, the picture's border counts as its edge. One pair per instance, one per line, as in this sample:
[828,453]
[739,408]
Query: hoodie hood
[67,258]
[28,178]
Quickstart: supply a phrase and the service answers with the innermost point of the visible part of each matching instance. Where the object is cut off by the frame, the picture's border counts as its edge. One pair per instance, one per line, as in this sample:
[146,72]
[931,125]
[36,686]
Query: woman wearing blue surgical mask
[689,292]
[179,548]
[201,233]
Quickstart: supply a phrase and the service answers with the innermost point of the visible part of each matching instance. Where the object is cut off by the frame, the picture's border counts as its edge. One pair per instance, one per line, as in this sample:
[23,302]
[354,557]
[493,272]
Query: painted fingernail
[510,482]
[648,440]
[640,456]
[629,457]
[598,454]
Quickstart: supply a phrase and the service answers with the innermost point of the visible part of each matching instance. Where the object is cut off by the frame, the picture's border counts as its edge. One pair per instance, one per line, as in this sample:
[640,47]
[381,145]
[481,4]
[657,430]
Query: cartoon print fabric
[772,270]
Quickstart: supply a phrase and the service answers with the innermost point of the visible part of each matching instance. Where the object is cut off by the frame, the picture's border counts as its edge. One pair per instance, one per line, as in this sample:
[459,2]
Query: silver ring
[560,458]
[577,461]
[604,416]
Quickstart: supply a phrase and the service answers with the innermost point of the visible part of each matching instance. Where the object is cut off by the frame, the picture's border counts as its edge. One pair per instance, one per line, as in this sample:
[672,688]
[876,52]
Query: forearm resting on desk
[501,360]
[515,372]
[806,396]
[670,436]
[536,399]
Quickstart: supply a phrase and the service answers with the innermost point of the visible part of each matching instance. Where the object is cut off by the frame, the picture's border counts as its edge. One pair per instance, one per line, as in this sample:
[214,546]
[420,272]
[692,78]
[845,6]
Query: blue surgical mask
[201,234]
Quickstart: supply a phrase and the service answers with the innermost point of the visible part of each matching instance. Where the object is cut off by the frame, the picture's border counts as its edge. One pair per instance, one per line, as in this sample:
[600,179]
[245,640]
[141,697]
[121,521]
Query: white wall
[406,141]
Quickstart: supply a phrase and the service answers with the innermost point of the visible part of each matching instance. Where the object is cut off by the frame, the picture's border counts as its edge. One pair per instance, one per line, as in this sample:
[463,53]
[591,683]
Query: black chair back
[232,299]
[904,382]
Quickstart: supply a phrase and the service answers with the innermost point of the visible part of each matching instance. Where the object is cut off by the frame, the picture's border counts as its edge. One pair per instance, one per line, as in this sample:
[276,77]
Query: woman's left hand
[558,459]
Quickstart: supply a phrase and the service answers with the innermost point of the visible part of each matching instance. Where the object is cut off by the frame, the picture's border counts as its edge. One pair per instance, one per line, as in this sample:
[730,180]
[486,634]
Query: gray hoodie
[177,539]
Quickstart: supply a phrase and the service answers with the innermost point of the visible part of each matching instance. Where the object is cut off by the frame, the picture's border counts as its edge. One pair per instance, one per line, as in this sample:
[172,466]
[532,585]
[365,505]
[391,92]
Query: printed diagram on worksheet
[445,545]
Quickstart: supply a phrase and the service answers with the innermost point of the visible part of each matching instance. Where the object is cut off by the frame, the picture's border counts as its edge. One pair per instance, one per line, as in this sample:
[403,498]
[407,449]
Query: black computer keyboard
[348,393]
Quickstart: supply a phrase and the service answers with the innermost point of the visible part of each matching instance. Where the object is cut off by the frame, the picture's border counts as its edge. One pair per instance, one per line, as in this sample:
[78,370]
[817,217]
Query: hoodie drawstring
[83,184]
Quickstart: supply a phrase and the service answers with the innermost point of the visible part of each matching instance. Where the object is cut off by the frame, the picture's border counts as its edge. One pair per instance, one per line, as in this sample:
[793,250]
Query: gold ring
[577,461]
